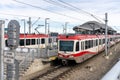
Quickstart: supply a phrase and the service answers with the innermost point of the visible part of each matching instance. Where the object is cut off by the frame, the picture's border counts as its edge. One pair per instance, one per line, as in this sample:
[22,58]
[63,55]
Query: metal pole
[30,25]
[46,40]
[39,41]
[2,24]
[24,34]
[66,27]
[48,37]
[106,33]
[46,25]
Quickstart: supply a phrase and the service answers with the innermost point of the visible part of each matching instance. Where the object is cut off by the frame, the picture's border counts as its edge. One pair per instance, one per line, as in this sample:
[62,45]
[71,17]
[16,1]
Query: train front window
[66,45]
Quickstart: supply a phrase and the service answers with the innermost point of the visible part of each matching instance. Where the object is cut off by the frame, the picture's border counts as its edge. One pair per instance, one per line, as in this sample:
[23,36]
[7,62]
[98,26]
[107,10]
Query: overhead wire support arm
[36,21]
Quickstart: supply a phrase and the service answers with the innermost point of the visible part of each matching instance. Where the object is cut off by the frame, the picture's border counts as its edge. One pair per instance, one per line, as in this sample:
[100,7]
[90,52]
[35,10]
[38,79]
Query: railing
[114,73]
[30,54]
[29,57]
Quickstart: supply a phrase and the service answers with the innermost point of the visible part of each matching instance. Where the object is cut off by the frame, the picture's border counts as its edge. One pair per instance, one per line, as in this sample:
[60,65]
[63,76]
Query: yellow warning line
[52,58]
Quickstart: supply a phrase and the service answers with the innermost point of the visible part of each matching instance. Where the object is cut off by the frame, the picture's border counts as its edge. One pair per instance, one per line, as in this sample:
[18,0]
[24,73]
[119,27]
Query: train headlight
[71,56]
[60,56]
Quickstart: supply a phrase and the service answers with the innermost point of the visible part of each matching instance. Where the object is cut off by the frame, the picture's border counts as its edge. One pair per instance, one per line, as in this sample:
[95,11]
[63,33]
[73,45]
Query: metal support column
[106,34]
[1,49]
[24,32]
[46,40]
[30,25]
[66,23]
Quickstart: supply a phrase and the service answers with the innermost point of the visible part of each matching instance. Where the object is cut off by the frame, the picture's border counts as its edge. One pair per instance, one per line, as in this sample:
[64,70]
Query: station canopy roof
[92,25]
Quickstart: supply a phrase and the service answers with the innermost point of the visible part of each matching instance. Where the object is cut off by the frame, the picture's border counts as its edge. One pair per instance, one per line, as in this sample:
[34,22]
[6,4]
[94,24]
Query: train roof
[76,37]
[31,35]
[90,25]
[80,37]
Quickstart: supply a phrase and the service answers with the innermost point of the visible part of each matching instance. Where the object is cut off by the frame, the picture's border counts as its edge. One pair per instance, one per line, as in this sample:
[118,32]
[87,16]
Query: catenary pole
[106,34]
[2,25]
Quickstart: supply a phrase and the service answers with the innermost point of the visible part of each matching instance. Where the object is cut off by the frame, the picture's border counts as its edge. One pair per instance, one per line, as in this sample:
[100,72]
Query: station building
[93,27]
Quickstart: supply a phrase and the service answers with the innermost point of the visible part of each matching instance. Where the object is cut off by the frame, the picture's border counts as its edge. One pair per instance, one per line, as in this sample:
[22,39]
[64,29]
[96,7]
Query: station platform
[48,56]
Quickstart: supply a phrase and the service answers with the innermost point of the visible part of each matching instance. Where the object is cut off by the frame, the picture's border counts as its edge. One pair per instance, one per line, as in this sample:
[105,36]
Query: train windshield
[66,45]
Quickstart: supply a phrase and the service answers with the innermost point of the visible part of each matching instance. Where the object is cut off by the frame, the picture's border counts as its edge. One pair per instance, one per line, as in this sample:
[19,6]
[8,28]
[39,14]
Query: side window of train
[21,42]
[91,43]
[87,44]
[77,46]
[56,39]
[42,41]
[50,40]
[27,41]
[38,41]
[33,41]
[99,41]
[6,43]
[96,42]
[110,39]
[103,41]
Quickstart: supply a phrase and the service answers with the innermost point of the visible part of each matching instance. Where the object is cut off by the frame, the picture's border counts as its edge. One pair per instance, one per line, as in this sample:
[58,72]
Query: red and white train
[32,40]
[80,47]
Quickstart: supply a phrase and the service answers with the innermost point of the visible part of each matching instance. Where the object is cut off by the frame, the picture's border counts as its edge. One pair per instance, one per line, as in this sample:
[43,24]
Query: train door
[77,46]
[100,47]
[82,45]
[95,45]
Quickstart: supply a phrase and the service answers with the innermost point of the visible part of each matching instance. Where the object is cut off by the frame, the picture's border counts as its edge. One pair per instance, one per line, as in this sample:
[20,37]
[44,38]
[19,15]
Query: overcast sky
[59,13]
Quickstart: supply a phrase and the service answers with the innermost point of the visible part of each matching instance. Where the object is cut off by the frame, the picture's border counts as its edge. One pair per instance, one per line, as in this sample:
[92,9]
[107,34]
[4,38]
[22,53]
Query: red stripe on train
[77,54]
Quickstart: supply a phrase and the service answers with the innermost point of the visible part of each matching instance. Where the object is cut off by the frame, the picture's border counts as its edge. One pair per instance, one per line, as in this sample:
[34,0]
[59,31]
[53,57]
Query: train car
[78,47]
[33,40]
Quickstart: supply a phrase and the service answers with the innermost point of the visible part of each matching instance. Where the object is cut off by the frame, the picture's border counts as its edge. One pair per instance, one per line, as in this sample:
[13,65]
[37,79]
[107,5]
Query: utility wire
[80,9]
[116,28]
[70,7]
[59,4]
[46,10]
[27,16]
[17,15]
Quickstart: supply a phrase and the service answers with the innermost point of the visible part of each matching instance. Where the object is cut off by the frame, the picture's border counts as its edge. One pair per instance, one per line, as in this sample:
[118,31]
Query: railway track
[56,73]
[53,73]
[59,72]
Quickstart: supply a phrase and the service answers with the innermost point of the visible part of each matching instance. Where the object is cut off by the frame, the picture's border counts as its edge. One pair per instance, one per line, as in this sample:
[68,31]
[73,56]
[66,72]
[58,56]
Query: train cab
[81,47]
[68,47]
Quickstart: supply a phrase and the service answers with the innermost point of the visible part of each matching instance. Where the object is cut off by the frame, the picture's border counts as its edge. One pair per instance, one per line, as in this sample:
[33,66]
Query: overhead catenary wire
[81,10]
[116,28]
[47,10]
[27,17]
[59,4]
[17,15]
